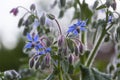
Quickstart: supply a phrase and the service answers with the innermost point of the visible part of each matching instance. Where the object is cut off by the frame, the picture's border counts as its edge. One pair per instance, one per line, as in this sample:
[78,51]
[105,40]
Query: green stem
[60,72]
[93,53]
[83,37]
[94,37]
[58,26]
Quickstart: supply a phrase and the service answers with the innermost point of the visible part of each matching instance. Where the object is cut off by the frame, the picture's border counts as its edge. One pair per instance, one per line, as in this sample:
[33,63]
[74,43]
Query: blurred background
[11,39]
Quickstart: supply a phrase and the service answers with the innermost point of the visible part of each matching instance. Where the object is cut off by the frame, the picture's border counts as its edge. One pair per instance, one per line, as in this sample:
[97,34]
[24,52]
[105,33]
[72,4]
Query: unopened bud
[47,60]
[61,41]
[76,50]
[65,51]
[14,11]
[32,7]
[31,62]
[108,4]
[81,48]
[11,75]
[71,59]
[37,64]
[113,5]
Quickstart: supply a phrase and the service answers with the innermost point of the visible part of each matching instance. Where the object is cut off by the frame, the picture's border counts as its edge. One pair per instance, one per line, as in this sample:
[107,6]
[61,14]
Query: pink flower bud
[14,11]
[113,5]
[81,48]
[32,7]
[47,60]
[61,41]
[71,58]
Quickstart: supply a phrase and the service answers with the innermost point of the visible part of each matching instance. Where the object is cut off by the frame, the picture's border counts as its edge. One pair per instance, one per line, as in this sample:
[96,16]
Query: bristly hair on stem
[58,26]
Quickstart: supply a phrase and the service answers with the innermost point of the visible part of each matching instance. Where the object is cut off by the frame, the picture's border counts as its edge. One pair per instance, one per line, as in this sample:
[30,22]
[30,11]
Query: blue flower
[33,42]
[44,51]
[75,28]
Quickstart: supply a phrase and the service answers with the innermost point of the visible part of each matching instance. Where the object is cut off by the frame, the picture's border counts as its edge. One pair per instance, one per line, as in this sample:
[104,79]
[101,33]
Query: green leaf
[51,16]
[70,45]
[93,74]
[20,22]
[101,7]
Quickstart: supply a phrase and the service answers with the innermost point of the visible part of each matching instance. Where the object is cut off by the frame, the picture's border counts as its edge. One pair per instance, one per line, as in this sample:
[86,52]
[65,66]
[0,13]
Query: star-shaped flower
[75,28]
[33,42]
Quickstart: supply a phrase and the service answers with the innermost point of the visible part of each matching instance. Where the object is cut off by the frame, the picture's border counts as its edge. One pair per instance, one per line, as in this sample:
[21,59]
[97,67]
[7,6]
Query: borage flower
[75,28]
[33,42]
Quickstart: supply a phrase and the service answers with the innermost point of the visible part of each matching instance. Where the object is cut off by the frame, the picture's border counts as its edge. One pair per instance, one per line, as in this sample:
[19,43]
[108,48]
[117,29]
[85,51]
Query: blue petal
[82,28]
[78,23]
[38,46]
[48,49]
[36,38]
[75,32]
[71,29]
[41,52]
[28,45]
[29,37]
[83,23]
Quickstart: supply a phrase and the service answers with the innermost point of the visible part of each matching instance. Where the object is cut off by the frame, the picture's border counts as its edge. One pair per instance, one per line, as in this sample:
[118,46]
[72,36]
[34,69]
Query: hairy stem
[58,26]
[93,53]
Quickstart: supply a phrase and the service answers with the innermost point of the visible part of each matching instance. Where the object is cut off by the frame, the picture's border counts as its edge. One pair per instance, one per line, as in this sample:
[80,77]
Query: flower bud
[65,51]
[61,41]
[31,62]
[76,50]
[11,75]
[81,48]
[14,11]
[47,60]
[113,5]
[71,59]
[108,4]
[37,64]
[32,7]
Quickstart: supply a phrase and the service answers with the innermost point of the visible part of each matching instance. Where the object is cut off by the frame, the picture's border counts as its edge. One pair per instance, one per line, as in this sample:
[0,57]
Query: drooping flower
[33,42]
[75,28]
[14,11]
